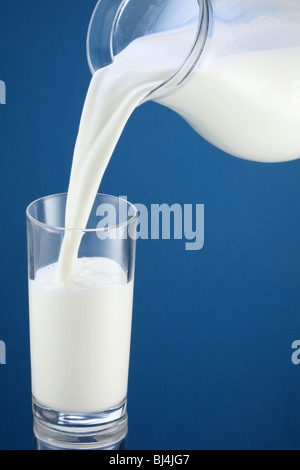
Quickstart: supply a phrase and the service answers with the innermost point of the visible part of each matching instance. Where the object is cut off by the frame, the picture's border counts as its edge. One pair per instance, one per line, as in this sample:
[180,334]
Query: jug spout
[117,23]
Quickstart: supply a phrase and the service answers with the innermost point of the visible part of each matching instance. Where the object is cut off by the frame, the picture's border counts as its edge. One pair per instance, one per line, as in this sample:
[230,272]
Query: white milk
[80,337]
[246,104]
[114,93]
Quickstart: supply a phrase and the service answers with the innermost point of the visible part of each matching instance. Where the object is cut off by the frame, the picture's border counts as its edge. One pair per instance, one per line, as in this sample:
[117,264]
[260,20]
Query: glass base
[103,431]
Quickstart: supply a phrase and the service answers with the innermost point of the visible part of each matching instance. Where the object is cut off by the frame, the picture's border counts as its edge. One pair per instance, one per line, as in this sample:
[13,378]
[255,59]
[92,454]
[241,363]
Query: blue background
[212,333]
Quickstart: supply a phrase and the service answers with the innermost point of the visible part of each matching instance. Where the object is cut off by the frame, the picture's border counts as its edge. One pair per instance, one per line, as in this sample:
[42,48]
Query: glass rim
[81,230]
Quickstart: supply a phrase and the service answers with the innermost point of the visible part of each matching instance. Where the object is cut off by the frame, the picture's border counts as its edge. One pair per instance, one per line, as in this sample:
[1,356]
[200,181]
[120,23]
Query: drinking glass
[80,329]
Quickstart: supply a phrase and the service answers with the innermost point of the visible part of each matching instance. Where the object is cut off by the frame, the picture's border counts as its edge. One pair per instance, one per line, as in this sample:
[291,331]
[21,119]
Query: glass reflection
[42,445]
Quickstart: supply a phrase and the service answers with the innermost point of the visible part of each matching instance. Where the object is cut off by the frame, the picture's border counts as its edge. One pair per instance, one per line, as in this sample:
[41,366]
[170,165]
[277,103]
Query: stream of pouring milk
[244,104]
[114,93]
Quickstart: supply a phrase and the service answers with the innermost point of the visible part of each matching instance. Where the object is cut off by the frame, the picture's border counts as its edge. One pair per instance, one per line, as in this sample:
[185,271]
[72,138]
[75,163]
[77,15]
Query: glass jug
[238,82]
